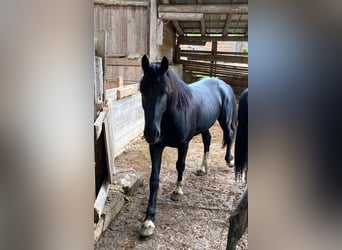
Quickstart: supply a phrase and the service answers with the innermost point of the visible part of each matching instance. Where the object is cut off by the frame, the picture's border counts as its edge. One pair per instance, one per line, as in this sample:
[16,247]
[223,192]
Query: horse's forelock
[152,77]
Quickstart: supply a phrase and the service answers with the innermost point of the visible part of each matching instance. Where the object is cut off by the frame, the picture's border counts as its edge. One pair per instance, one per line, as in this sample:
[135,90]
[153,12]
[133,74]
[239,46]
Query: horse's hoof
[176,196]
[147,228]
[230,164]
[200,172]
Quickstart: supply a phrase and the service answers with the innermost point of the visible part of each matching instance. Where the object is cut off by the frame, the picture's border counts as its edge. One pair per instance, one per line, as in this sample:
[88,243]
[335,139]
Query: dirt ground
[198,221]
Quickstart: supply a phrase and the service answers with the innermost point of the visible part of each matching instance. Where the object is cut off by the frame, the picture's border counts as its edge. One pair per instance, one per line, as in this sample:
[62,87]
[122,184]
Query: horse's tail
[241,142]
[231,119]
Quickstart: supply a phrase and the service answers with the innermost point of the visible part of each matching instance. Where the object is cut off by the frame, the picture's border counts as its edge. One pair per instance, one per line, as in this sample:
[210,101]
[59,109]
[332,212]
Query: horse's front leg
[147,228]
[180,165]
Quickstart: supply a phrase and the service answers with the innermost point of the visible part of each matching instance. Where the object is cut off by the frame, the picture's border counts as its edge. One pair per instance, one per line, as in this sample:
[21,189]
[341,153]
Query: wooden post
[98,86]
[119,81]
[153,30]
[177,53]
[213,63]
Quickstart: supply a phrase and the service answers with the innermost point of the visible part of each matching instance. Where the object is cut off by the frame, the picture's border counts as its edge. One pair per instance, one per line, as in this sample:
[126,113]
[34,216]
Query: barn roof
[206,17]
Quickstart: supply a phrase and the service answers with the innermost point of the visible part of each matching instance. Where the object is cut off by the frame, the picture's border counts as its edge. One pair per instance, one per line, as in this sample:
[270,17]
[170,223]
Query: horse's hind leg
[229,130]
[203,169]
[228,138]
[180,165]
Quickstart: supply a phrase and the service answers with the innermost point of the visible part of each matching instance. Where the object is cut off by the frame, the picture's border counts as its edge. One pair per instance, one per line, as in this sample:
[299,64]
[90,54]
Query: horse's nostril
[157,135]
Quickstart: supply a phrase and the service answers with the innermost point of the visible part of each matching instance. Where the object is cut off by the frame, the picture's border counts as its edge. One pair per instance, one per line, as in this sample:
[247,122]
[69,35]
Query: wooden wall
[127,28]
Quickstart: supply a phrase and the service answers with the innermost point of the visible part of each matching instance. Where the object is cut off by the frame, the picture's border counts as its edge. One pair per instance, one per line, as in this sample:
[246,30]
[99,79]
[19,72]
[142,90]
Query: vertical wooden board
[153,30]
[160,27]
[101,199]
[101,46]
[109,139]
[98,80]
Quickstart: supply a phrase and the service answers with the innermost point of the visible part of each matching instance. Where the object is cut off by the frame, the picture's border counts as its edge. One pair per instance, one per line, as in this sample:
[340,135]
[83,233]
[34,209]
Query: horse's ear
[164,65]
[145,64]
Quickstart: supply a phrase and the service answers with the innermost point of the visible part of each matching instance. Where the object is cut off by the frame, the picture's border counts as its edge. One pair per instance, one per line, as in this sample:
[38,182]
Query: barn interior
[201,38]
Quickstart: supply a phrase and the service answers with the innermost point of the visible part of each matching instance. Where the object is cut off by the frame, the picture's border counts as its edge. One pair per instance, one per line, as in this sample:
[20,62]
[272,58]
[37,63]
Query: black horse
[174,113]
[241,141]
[238,220]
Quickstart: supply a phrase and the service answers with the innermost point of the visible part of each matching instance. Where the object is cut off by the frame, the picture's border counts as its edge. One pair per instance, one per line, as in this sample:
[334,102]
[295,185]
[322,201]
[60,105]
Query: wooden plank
[121,3]
[207,64]
[122,62]
[204,8]
[220,69]
[218,52]
[98,81]
[188,40]
[110,150]
[220,58]
[115,203]
[126,91]
[101,199]
[98,124]
[179,16]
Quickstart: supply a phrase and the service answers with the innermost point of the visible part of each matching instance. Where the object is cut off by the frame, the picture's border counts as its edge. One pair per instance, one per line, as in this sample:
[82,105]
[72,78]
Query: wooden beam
[203,32]
[237,23]
[189,40]
[121,3]
[221,58]
[174,22]
[205,52]
[112,61]
[204,8]
[126,91]
[178,28]
[227,24]
[179,16]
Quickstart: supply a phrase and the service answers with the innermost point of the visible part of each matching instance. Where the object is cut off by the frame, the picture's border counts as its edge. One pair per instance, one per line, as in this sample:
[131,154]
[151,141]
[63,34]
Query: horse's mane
[179,92]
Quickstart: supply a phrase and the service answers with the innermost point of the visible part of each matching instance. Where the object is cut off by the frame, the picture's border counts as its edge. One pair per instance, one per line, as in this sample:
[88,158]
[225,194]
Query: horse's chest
[174,131]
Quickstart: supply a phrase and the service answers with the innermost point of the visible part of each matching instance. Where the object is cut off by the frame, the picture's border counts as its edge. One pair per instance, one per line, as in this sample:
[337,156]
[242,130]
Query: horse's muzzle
[152,136]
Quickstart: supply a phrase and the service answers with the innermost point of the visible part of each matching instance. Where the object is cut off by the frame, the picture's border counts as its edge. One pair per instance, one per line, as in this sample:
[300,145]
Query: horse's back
[210,97]
[212,89]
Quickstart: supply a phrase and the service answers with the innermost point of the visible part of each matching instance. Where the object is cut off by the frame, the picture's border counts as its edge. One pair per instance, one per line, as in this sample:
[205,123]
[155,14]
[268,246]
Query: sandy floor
[198,221]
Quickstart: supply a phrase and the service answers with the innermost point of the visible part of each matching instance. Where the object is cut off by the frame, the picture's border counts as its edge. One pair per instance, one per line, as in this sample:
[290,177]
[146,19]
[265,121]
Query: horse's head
[154,92]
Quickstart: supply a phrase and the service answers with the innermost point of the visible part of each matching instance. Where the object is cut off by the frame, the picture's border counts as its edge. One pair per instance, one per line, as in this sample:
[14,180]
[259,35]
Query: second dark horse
[174,113]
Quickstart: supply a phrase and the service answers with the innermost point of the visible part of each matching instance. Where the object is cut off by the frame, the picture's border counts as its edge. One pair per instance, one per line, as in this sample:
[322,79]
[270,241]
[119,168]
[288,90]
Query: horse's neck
[181,98]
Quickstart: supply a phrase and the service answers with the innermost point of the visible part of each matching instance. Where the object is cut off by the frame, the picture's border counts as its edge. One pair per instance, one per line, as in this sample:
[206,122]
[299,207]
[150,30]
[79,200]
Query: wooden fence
[231,67]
